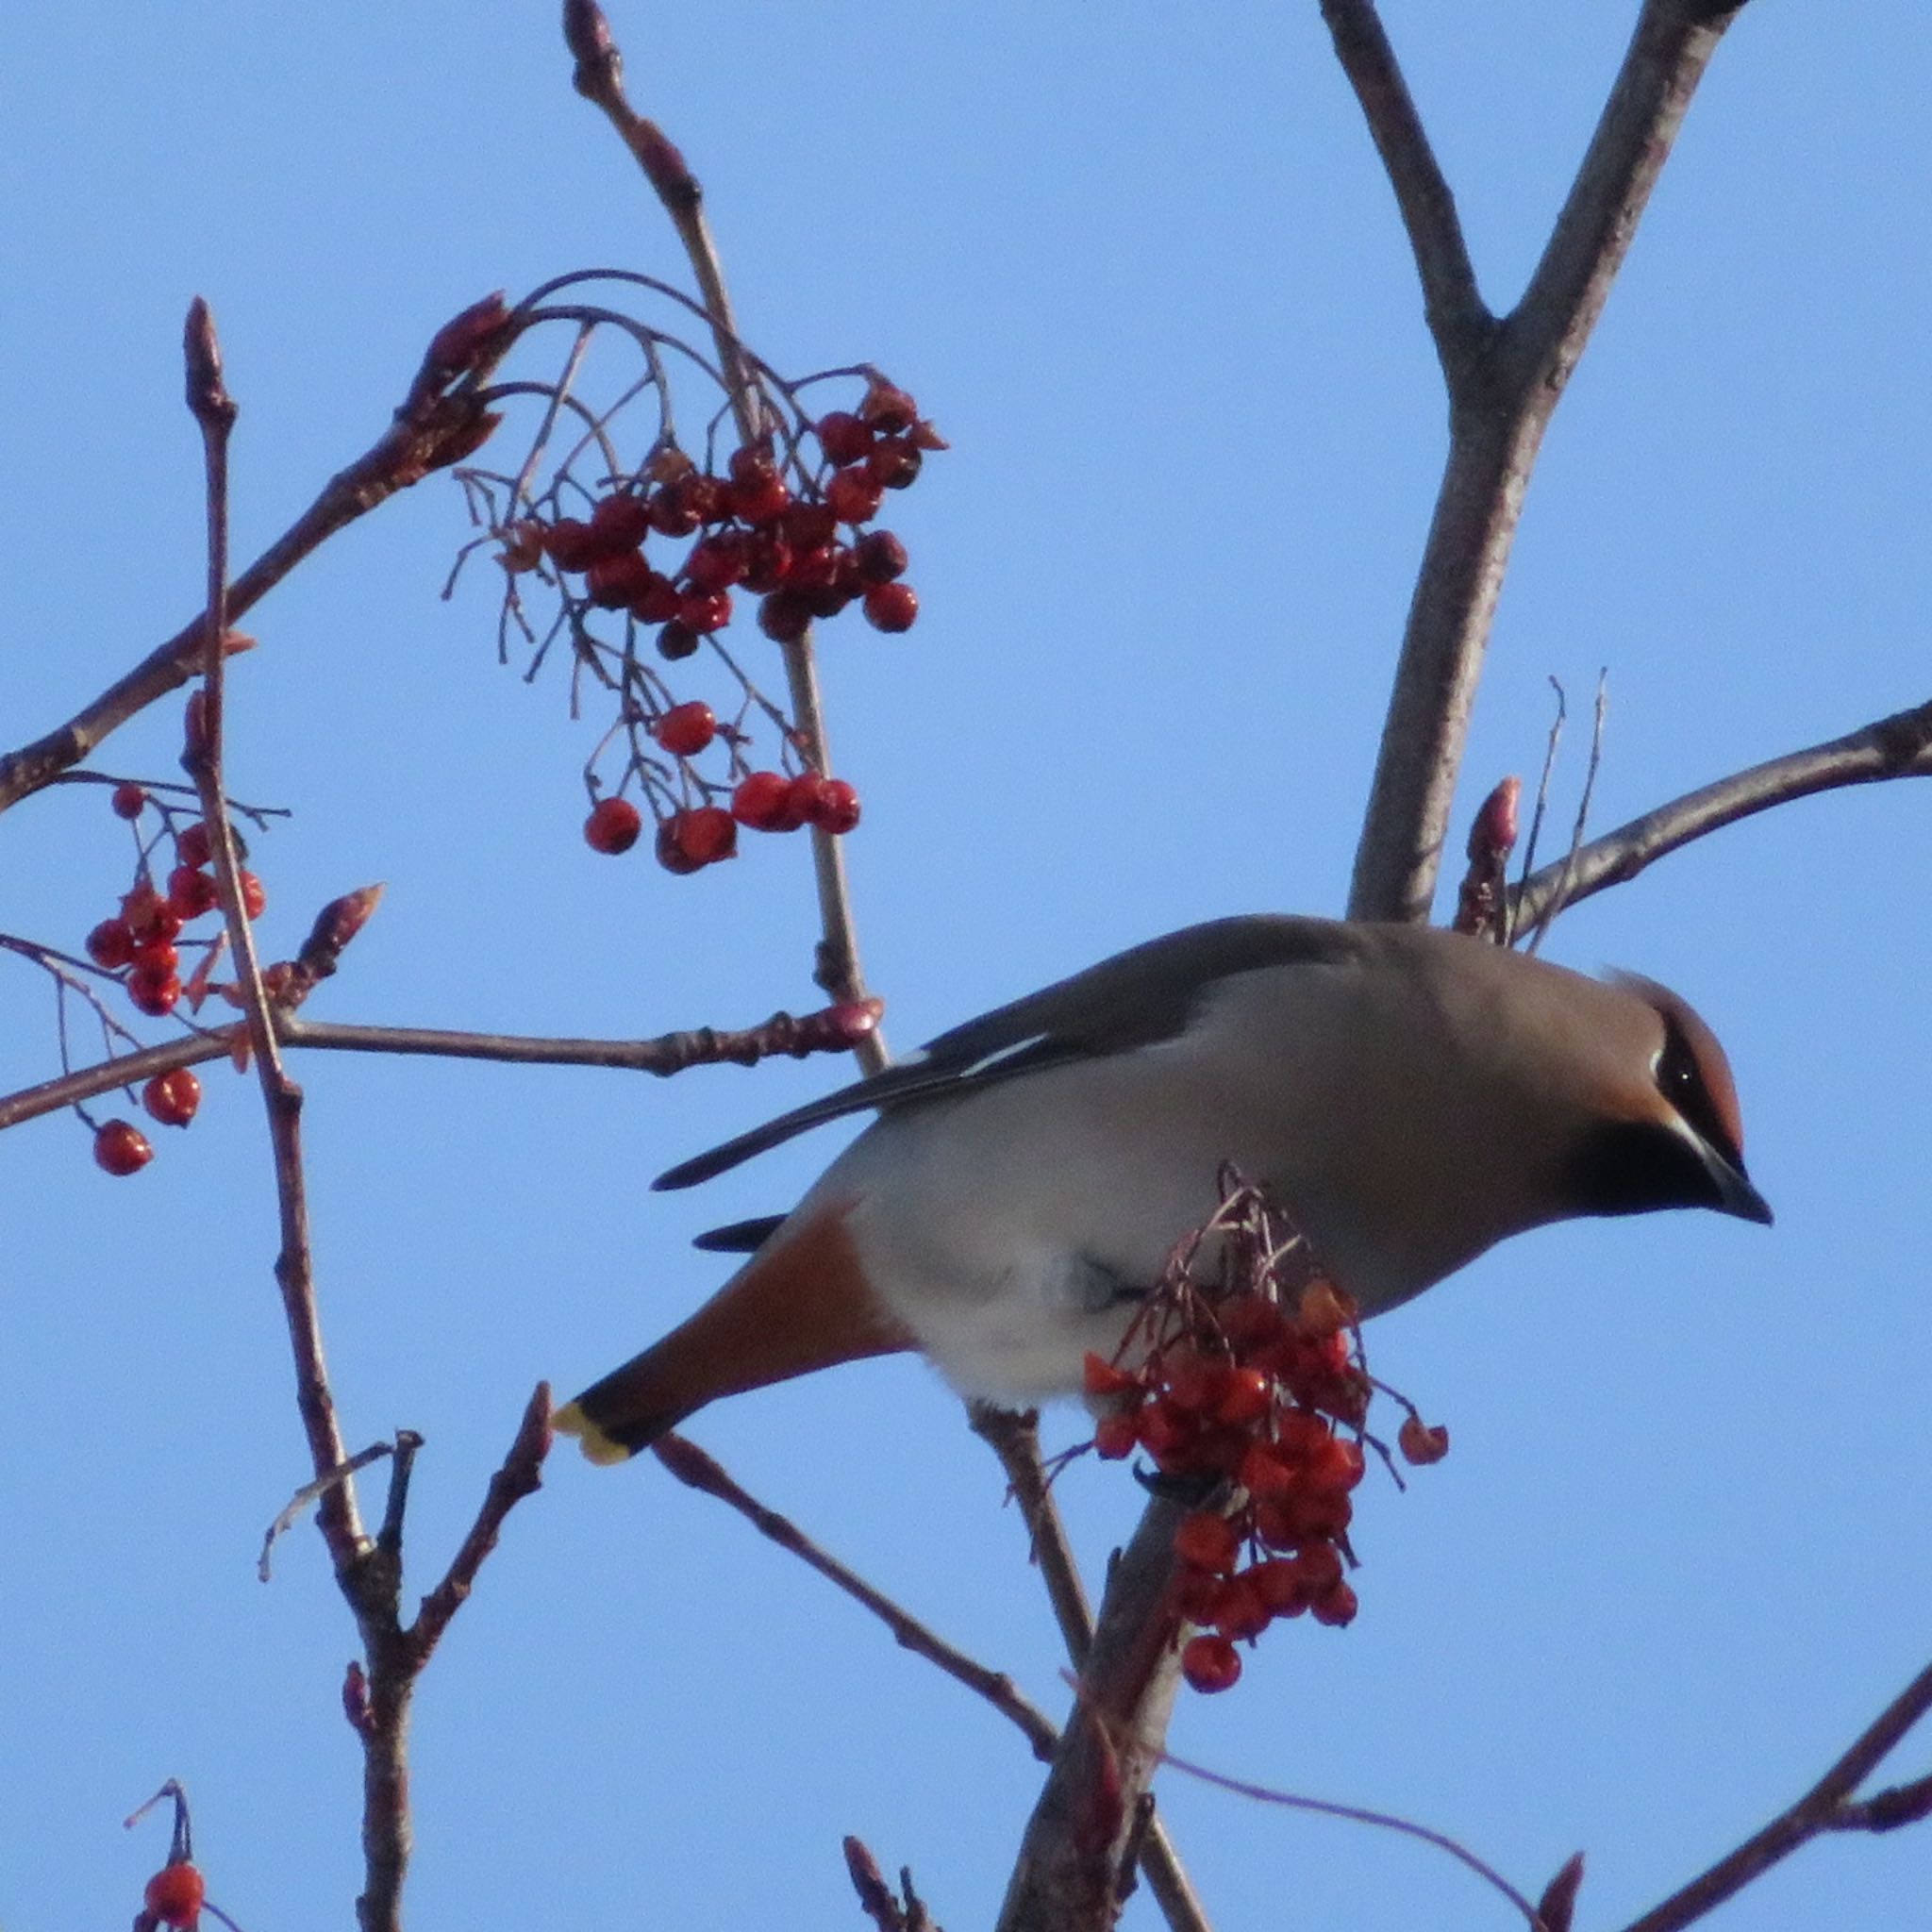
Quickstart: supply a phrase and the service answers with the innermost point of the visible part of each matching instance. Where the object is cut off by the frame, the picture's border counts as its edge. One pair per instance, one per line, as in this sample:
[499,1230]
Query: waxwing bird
[1410,1096]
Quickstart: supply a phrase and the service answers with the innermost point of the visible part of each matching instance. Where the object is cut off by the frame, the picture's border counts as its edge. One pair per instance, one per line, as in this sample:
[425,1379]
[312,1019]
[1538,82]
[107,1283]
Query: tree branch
[1828,1806]
[1899,746]
[599,78]
[1459,318]
[692,1467]
[830,1030]
[1500,404]
[427,434]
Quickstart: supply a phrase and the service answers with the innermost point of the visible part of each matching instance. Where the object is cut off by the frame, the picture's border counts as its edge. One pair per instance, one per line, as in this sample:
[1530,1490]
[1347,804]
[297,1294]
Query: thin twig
[1829,1806]
[428,433]
[1899,746]
[691,1466]
[1013,1436]
[1598,717]
[599,78]
[828,1031]
[308,1494]
[1357,1814]
[214,412]
[520,1474]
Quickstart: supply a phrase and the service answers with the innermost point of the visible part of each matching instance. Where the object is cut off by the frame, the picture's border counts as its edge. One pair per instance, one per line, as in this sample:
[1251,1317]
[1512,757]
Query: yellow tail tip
[571,1420]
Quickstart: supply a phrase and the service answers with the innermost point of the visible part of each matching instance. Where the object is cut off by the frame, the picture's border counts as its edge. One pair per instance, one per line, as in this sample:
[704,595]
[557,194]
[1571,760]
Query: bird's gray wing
[1134,999]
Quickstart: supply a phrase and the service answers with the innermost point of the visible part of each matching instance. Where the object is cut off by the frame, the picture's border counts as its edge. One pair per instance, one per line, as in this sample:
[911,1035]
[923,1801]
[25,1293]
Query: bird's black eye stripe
[1680,1081]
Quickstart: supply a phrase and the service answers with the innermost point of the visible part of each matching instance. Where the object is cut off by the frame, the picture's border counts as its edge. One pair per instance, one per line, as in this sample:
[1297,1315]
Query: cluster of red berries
[690,836]
[791,523]
[1270,1400]
[142,940]
[172,1098]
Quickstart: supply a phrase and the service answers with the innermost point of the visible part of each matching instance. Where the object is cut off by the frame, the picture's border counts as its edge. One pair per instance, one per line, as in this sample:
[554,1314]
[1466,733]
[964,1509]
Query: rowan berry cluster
[143,945]
[677,552]
[1252,1383]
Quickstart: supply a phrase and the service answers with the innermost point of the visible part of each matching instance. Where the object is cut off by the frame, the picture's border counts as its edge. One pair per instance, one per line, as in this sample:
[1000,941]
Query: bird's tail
[801,1302]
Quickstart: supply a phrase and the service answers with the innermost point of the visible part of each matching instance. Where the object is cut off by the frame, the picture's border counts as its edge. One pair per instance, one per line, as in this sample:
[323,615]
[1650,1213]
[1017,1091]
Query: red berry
[1242,1612]
[806,526]
[887,409]
[154,991]
[612,582]
[706,834]
[1211,1663]
[670,854]
[1336,1607]
[127,800]
[1320,1568]
[1282,1585]
[621,523]
[717,562]
[784,617]
[881,556]
[763,802]
[672,511]
[706,610]
[573,546]
[759,492]
[842,436]
[173,1098]
[1115,1436]
[613,825]
[148,915]
[891,607]
[853,495]
[176,1894]
[1193,1381]
[254,895]
[658,601]
[1263,1473]
[709,497]
[895,463]
[1337,1465]
[111,945]
[835,807]
[190,893]
[677,640]
[157,956]
[196,846]
[1207,1541]
[767,560]
[1422,1445]
[121,1148]
[1246,1396]
[686,729]
[1099,1376]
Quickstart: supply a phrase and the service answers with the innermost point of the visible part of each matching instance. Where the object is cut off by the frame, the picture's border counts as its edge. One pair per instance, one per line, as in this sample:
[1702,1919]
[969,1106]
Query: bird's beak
[1736,1195]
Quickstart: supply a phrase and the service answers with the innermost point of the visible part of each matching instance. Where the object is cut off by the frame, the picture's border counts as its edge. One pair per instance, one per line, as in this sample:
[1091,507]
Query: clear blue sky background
[1141,264]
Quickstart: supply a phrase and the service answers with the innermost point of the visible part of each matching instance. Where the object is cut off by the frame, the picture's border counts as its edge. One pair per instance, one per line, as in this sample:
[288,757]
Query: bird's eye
[1680,1081]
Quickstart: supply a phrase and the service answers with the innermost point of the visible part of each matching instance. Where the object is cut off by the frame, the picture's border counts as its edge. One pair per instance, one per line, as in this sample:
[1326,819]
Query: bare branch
[429,432]
[1899,746]
[875,1896]
[1828,1806]
[1500,405]
[1070,1871]
[691,1466]
[1458,317]
[215,412]
[830,1030]
[599,78]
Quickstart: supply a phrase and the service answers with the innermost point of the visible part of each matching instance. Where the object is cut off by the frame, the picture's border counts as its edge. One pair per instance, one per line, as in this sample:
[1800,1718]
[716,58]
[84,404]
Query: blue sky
[1145,273]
